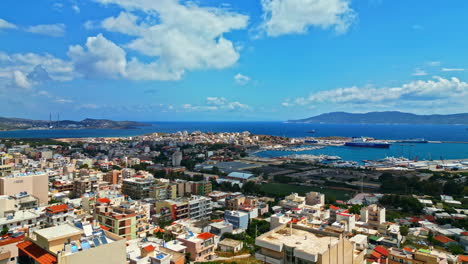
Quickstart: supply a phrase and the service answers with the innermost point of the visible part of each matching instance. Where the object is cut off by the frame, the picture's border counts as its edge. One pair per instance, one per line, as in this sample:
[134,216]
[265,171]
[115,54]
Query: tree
[355,209]
[4,230]
[404,230]
[187,257]
[455,249]
[330,199]
[453,188]
[430,237]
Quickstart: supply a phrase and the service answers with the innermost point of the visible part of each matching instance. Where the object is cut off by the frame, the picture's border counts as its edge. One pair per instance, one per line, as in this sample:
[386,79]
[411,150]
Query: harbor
[405,154]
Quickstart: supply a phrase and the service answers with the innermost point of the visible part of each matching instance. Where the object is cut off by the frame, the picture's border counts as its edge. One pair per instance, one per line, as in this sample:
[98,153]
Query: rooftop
[40,255]
[59,231]
[305,241]
[229,242]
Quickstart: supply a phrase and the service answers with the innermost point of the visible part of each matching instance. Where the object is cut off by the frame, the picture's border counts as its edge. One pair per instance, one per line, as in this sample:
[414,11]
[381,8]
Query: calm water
[422,151]
[429,132]
[410,151]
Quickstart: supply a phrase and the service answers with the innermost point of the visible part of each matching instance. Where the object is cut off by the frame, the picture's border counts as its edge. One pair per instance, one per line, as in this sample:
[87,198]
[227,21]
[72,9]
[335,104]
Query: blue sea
[446,133]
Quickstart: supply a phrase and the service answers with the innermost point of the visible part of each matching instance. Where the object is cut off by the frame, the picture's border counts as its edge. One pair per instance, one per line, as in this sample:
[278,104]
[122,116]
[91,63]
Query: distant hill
[7,123]
[390,117]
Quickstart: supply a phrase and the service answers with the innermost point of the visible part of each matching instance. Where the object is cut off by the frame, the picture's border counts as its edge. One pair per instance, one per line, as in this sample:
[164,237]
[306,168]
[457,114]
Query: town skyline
[230,60]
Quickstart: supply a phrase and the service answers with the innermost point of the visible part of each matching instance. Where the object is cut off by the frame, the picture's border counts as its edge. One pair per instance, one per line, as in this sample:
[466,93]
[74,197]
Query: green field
[283,189]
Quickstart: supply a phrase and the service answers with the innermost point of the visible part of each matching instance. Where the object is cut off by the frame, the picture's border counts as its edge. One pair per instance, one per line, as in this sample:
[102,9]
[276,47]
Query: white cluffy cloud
[176,37]
[215,104]
[20,80]
[283,17]
[6,25]
[99,58]
[52,30]
[241,79]
[415,91]
[24,70]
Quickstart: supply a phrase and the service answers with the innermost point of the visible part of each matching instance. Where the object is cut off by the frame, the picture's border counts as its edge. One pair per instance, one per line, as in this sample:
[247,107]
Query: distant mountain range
[390,117]
[21,123]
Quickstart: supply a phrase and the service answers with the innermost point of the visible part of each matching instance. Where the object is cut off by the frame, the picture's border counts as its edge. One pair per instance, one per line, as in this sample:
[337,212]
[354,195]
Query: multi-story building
[345,221]
[187,188]
[36,184]
[290,244]
[86,184]
[238,219]
[5,169]
[201,188]
[67,244]
[113,176]
[176,158]
[293,201]
[22,219]
[200,207]
[201,246]
[184,188]
[137,188]
[120,221]
[195,207]
[163,191]
[58,214]
[237,202]
[19,201]
[127,220]
[315,198]
[62,186]
[373,215]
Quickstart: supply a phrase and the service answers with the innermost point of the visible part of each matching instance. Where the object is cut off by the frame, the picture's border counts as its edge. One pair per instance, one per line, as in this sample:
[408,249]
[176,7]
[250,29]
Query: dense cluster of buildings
[135,200]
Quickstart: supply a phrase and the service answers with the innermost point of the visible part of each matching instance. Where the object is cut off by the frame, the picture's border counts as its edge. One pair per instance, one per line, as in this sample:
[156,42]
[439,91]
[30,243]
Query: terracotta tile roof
[40,255]
[103,200]
[334,207]
[149,248]
[104,227]
[408,249]
[383,251]
[443,239]
[11,240]
[376,255]
[463,258]
[55,209]
[415,219]
[205,235]
[464,233]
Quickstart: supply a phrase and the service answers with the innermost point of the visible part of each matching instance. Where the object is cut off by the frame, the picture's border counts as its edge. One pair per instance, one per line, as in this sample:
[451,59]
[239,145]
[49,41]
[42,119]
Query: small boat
[311,131]
[415,140]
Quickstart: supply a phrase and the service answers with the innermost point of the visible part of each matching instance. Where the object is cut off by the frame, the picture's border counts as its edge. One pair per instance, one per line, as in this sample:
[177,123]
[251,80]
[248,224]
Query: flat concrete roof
[59,231]
[304,241]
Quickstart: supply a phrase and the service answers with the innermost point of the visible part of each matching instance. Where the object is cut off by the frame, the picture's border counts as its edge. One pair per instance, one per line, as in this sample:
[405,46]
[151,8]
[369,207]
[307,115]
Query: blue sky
[226,60]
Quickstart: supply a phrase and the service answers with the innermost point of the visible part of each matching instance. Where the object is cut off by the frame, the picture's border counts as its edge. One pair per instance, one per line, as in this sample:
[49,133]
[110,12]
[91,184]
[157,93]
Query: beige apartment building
[35,184]
[67,244]
[301,244]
